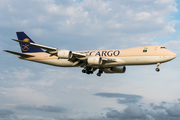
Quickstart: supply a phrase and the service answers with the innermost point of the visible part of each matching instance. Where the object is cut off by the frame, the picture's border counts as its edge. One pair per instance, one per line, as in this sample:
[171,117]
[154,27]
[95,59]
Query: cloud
[131,112]
[89,20]
[113,114]
[144,112]
[5,113]
[24,95]
[20,73]
[158,107]
[129,100]
[174,111]
[134,111]
[125,98]
[79,25]
[116,95]
[173,44]
[41,108]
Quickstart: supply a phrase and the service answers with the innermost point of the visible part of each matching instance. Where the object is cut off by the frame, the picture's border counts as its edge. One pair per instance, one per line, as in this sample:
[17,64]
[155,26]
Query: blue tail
[25,47]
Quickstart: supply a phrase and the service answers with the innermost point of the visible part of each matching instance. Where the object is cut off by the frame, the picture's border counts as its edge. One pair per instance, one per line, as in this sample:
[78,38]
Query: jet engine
[94,60]
[65,54]
[119,69]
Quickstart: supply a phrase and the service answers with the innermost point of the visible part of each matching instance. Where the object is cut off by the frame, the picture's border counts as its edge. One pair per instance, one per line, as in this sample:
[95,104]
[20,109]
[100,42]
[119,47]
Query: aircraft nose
[171,55]
[174,55]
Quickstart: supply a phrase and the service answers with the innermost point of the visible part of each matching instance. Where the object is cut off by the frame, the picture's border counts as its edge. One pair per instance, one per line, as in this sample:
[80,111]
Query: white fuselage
[133,56]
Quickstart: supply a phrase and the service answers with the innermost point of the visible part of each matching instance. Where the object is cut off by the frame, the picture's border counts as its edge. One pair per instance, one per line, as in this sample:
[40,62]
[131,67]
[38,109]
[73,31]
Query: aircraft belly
[131,60]
[56,62]
[143,60]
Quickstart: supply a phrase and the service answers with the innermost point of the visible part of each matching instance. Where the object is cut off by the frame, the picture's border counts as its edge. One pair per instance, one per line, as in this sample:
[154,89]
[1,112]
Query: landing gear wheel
[99,74]
[88,72]
[83,71]
[157,69]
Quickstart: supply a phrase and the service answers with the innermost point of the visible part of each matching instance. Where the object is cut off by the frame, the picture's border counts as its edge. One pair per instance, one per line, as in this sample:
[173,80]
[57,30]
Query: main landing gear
[89,70]
[99,73]
[157,69]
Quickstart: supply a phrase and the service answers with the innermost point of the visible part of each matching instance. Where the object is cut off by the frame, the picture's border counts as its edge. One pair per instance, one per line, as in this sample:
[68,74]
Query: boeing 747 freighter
[107,61]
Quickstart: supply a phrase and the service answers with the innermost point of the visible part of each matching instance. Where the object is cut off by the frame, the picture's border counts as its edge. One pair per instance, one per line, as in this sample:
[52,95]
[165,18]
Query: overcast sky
[33,91]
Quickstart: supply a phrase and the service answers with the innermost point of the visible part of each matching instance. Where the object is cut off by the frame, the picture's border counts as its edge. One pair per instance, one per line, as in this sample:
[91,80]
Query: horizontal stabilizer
[21,54]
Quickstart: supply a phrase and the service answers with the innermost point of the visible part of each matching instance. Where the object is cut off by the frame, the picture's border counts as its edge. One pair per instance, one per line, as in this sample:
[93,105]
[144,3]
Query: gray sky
[40,92]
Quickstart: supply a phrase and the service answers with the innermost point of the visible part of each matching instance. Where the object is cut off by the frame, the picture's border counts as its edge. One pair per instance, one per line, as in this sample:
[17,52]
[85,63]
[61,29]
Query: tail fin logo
[25,47]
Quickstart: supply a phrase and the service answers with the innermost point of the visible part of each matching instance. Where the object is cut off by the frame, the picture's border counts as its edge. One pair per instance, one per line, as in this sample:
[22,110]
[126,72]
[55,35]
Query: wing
[50,50]
[78,59]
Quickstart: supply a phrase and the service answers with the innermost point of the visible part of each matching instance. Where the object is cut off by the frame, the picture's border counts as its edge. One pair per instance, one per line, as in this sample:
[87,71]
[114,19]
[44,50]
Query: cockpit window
[163,47]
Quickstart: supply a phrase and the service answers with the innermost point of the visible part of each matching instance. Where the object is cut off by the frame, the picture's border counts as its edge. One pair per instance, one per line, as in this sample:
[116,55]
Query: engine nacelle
[65,54]
[120,69]
[94,60]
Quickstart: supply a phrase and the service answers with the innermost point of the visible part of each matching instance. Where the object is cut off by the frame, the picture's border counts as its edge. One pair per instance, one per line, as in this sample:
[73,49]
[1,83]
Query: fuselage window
[163,47]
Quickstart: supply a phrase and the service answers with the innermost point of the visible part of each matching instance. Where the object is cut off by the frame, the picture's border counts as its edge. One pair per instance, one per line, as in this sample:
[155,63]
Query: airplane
[107,61]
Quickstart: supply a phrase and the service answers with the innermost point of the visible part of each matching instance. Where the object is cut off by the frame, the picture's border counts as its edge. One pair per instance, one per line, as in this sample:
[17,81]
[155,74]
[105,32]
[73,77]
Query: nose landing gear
[157,69]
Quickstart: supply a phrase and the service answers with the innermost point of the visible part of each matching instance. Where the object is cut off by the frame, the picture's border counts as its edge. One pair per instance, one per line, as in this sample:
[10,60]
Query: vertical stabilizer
[25,47]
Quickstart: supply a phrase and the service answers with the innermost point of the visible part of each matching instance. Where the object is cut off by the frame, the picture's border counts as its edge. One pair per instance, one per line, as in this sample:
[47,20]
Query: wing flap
[21,54]
[78,54]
